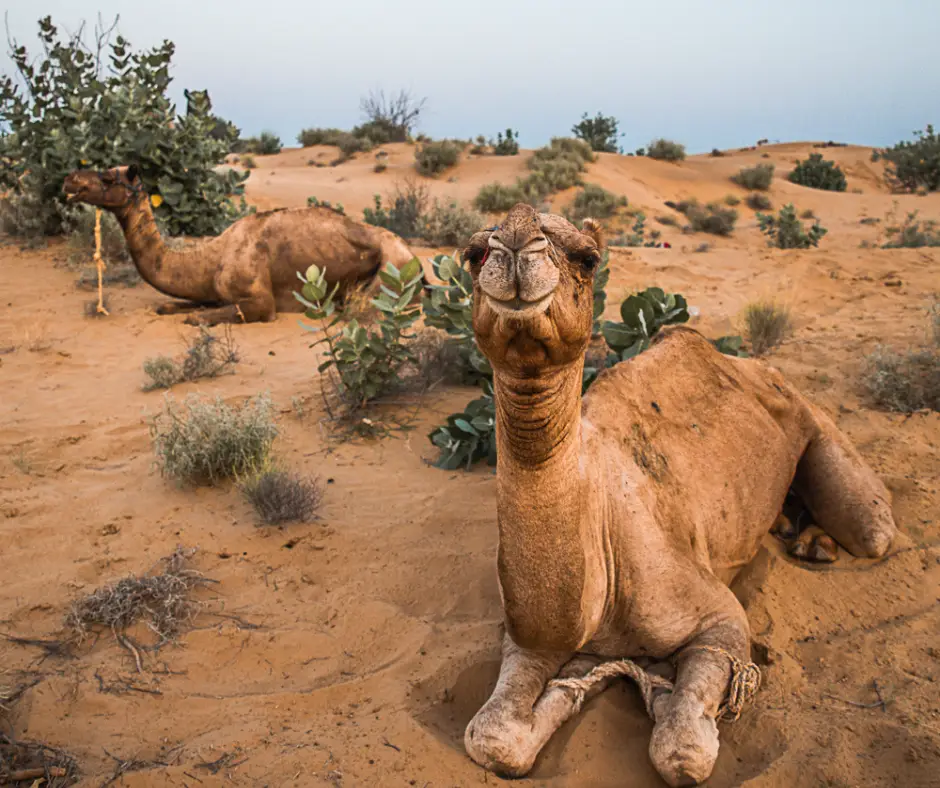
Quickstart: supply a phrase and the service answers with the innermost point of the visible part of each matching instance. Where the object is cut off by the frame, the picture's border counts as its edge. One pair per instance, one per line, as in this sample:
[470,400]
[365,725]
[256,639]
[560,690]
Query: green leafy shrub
[498,198]
[265,144]
[757,178]
[594,201]
[914,165]
[637,235]
[732,199]
[599,132]
[364,363]
[470,436]
[711,218]
[407,207]
[279,496]
[785,231]
[666,150]
[78,110]
[207,356]
[508,145]
[433,158]
[913,234]
[817,173]
[767,324]
[205,441]
[447,224]
[758,202]
[313,202]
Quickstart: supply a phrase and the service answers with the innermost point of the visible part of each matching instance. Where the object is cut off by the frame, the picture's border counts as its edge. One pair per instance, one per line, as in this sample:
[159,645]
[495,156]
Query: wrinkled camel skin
[249,272]
[624,515]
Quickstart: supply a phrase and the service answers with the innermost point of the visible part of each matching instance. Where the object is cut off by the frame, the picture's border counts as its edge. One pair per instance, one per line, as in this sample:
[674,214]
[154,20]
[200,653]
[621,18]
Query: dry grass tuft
[205,441]
[279,496]
[161,600]
[207,356]
[767,324]
[29,763]
[904,382]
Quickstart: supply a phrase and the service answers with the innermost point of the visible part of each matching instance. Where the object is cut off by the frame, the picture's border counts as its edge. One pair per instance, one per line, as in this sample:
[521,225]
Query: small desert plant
[279,496]
[594,201]
[406,208]
[308,137]
[914,166]
[716,153]
[161,599]
[666,150]
[600,132]
[808,214]
[711,218]
[913,234]
[433,158]
[785,231]
[732,200]
[207,356]
[758,202]
[380,166]
[313,202]
[508,145]
[447,224]
[497,198]
[205,441]
[767,324]
[637,235]
[903,382]
[755,178]
[364,363]
[817,173]
[248,161]
[669,221]
[389,119]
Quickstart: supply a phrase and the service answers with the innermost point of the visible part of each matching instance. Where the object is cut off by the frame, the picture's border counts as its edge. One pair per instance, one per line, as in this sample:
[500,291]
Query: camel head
[533,302]
[115,188]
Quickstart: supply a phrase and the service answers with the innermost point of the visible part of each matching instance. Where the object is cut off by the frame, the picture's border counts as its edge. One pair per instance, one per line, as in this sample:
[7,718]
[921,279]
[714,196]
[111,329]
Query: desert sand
[363,643]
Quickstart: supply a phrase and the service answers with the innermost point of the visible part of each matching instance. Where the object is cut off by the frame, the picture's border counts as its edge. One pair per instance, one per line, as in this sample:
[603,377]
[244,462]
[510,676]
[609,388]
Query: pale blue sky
[708,73]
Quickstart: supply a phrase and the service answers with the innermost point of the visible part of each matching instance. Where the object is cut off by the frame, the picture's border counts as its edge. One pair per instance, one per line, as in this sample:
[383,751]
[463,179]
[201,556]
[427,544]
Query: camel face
[112,188]
[533,302]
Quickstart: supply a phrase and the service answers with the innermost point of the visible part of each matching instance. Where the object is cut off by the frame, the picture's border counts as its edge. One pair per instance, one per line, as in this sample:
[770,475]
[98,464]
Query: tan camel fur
[624,515]
[249,272]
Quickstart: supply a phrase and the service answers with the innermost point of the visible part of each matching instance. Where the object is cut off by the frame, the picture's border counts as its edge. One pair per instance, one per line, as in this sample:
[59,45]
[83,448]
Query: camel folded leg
[513,726]
[242,312]
[847,499]
[179,307]
[684,744]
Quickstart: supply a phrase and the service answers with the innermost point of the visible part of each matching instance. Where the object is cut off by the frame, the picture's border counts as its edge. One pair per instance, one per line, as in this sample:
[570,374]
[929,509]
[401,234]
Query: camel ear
[592,228]
[133,173]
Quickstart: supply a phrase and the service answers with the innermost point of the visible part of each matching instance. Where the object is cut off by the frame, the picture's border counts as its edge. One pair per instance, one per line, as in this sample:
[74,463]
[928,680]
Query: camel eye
[589,260]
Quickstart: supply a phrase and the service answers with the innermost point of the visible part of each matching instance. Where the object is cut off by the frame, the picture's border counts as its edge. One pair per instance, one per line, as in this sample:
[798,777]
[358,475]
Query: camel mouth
[516,307]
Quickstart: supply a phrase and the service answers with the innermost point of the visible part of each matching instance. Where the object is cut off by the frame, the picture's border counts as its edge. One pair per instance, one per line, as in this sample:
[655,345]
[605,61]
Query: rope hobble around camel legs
[99,263]
[745,681]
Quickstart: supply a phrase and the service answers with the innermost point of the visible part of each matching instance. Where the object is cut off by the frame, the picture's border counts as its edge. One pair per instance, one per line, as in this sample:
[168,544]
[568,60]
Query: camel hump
[680,333]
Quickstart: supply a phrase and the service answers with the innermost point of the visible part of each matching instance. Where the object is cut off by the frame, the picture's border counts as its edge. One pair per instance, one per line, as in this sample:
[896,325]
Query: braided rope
[99,263]
[745,681]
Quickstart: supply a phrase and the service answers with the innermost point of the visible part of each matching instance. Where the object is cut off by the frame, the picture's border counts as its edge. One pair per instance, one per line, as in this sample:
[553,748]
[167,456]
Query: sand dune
[371,636]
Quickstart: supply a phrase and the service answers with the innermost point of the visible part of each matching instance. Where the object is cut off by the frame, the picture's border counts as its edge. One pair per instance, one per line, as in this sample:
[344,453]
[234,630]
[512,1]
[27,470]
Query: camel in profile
[249,272]
[624,515]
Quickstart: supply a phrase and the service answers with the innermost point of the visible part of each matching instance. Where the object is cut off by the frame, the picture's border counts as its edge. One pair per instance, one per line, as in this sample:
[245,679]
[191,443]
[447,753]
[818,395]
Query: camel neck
[176,273]
[539,501]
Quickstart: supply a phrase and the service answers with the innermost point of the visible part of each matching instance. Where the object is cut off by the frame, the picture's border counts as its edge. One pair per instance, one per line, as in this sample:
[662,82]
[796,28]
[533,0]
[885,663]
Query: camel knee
[684,744]
[500,743]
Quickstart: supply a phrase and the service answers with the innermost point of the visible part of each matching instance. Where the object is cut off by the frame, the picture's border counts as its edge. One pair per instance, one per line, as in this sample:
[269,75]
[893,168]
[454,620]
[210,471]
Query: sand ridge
[365,642]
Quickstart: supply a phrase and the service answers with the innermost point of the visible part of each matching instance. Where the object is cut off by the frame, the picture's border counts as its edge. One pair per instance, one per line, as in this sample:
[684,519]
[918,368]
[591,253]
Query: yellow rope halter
[99,262]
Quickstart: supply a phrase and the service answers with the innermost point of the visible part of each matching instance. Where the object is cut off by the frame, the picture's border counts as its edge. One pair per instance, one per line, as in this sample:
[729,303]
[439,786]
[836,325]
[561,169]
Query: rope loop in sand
[745,681]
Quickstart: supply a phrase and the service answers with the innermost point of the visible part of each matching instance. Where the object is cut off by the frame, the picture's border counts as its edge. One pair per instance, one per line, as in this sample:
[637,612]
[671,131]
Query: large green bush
[785,231]
[594,201]
[758,177]
[599,132]
[914,165]
[666,150]
[69,108]
[818,173]
[433,158]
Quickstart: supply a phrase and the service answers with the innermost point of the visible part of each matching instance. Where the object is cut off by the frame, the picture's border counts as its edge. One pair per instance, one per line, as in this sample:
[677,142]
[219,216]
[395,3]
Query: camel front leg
[179,307]
[684,744]
[242,312]
[513,726]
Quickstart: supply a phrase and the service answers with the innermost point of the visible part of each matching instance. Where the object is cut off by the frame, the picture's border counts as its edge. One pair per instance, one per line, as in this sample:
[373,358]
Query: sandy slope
[374,632]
